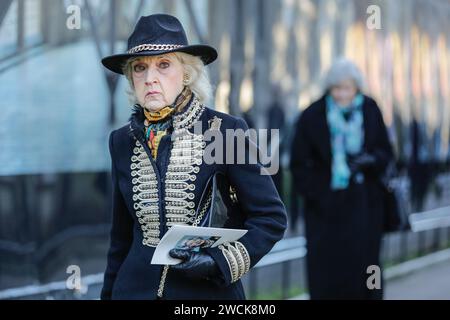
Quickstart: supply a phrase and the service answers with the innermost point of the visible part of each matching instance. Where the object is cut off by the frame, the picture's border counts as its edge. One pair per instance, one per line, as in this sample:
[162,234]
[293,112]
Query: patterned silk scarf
[158,122]
[347,136]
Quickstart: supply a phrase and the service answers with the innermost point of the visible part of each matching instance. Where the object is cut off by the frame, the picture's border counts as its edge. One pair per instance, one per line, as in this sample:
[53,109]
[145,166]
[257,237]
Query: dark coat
[343,228]
[129,274]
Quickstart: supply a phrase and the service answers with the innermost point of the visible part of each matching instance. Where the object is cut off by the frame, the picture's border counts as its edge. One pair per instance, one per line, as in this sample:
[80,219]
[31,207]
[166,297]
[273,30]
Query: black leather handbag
[219,206]
[396,211]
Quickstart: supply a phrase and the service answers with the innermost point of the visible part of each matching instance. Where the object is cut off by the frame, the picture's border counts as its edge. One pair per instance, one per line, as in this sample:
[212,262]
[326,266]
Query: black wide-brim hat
[158,34]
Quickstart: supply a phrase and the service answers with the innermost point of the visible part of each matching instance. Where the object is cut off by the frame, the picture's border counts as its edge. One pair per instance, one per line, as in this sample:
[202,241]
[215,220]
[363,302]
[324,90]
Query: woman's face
[157,80]
[344,92]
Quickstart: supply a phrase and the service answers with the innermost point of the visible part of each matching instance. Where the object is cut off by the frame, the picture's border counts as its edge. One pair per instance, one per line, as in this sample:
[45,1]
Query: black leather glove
[361,162]
[195,265]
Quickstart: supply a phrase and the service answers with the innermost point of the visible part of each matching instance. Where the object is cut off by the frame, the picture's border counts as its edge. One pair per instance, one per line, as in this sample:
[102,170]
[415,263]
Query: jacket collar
[183,119]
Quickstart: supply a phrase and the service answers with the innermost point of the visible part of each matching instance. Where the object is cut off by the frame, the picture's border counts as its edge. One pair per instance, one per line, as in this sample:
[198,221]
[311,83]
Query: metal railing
[288,250]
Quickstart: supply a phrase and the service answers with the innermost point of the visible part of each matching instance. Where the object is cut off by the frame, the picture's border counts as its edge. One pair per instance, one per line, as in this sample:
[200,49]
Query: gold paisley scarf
[157,122]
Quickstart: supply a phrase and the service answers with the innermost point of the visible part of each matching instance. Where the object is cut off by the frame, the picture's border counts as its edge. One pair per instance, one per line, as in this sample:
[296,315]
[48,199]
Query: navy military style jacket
[150,195]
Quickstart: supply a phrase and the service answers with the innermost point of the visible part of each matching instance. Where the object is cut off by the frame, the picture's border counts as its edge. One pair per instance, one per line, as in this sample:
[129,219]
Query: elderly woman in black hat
[160,177]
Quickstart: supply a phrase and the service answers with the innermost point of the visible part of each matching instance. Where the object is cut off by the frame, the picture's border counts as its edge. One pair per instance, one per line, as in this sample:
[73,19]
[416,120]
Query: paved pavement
[432,282]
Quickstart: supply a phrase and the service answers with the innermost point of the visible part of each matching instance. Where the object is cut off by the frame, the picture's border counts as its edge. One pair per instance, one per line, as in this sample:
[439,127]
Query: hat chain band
[156,47]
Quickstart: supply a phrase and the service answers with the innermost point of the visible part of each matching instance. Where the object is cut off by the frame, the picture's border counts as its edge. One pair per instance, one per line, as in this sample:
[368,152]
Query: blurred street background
[58,105]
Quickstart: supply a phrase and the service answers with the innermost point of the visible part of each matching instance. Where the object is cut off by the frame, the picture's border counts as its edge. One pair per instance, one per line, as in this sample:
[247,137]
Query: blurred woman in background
[339,151]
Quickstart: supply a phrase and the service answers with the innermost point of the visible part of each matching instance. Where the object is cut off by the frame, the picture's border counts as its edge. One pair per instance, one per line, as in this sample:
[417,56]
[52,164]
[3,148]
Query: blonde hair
[195,70]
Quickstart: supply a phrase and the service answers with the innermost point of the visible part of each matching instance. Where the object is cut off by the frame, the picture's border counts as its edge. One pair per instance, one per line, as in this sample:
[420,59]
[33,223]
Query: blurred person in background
[276,121]
[160,178]
[339,152]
